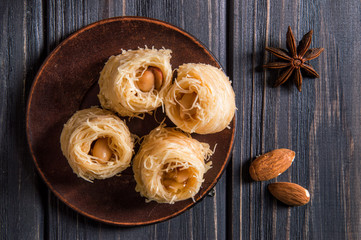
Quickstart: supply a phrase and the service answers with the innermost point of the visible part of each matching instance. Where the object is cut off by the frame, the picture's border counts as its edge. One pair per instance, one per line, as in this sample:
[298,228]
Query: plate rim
[28,130]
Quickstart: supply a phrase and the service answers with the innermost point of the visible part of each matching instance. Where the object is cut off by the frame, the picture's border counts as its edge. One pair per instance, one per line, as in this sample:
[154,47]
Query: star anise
[295,59]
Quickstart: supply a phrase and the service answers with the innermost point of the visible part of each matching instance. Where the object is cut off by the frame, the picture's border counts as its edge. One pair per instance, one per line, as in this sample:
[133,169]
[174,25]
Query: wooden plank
[206,21]
[322,124]
[21,50]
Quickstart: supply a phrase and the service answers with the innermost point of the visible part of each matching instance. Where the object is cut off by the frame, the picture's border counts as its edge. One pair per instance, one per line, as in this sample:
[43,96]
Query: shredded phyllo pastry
[136,81]
[170,165]
[97,144]
[201,100]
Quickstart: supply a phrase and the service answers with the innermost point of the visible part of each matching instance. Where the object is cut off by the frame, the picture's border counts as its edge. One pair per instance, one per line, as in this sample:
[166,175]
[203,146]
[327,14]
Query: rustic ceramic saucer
[67,82]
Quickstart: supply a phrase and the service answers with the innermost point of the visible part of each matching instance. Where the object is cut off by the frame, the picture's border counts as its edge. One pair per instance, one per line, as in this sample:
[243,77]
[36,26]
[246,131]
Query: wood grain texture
[21,52]
[322,124]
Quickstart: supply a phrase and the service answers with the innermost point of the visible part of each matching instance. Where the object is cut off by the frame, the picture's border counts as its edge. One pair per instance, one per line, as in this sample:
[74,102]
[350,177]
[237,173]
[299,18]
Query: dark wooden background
[322,124]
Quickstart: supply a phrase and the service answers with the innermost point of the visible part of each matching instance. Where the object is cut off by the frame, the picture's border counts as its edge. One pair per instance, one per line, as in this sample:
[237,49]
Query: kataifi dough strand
[136,81]
[201,100]
[97,144]
[170,165]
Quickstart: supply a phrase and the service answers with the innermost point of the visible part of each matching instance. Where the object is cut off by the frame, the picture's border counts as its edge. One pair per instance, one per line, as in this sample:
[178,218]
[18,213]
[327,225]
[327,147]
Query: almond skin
[271,164]
[289,193]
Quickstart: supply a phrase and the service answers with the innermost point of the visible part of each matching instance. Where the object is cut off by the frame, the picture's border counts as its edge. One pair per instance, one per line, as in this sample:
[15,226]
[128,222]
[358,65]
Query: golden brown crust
[85,127]
[119,91]
[163,150]
[214,105]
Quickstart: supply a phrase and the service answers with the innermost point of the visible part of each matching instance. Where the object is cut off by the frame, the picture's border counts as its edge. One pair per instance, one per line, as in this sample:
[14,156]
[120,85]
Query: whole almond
[271,164]
[289,193]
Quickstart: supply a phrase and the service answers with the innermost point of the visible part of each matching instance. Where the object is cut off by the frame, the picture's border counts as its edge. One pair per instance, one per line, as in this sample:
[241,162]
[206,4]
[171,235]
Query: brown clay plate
[67,82]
